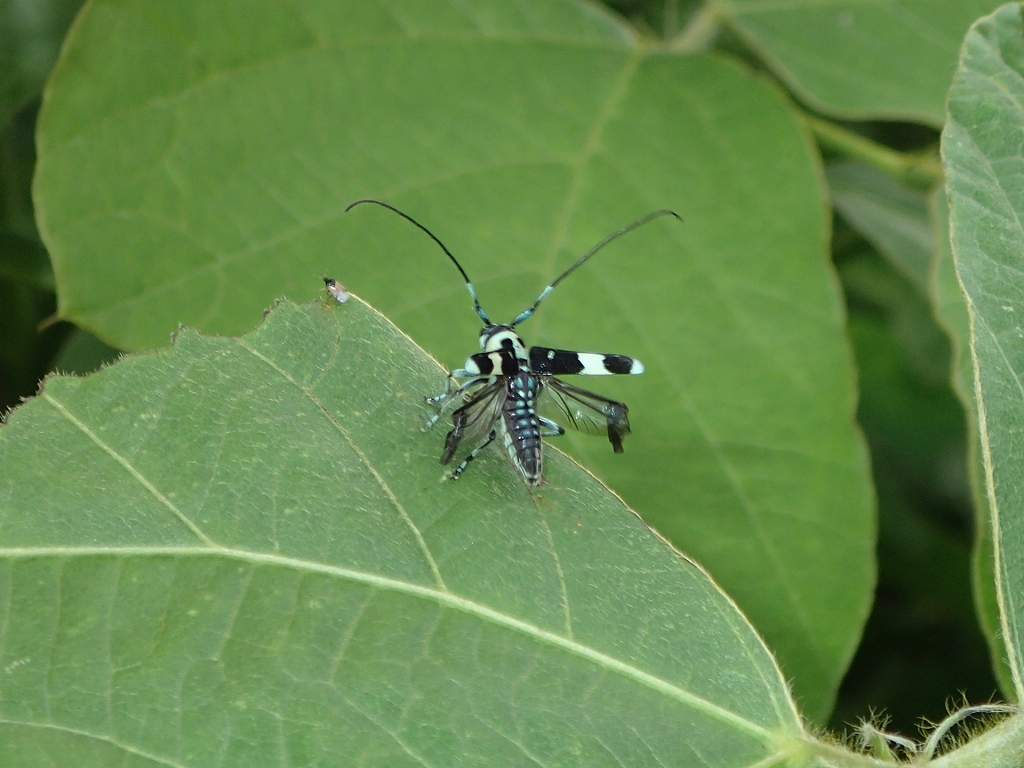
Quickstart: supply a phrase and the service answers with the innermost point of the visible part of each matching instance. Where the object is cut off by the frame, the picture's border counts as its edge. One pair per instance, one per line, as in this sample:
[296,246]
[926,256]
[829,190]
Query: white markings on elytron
[500,398]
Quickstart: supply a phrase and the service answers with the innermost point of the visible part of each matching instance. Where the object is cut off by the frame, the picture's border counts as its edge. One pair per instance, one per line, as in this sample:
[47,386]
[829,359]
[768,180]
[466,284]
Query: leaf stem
[999,747]
[920,170]
[832,755]
[699,33]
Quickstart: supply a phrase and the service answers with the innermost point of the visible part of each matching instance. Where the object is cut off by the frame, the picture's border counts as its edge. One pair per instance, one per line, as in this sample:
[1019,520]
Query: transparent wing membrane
[473,420]
[585,411]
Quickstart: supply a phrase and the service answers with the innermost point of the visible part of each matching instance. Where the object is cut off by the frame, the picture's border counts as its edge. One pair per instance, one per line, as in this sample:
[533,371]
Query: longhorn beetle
[500,398]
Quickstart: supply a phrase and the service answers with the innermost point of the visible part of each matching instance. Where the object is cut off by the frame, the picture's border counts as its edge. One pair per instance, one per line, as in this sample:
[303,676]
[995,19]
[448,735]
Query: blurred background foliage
[32,340]
[922,643]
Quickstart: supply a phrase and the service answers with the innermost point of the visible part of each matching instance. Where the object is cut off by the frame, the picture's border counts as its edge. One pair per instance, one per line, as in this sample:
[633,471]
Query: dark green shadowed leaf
[24,262]
[892,59]
[889,215]
[223,140]
[983,151]
[83,353]
[30,37]
[922,639]
[238,551]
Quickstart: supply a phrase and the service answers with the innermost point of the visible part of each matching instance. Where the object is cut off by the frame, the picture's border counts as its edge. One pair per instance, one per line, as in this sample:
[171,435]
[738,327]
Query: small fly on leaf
[336,289]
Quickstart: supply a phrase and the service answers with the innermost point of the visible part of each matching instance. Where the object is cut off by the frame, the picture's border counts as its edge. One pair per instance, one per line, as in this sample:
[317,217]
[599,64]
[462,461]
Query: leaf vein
[517,744]
[254,249]
[139,477]
[169,99]
[384,729]
[97,737]
[346,637]
[562,589]
[616,94]
[443,598]
[420,541]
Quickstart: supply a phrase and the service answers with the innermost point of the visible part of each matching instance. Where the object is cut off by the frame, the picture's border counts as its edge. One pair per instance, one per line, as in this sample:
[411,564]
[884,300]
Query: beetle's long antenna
[407,217]
[526,313]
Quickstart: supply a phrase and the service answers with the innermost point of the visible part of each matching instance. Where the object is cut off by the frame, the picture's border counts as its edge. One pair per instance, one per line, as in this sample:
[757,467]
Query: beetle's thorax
[500,338]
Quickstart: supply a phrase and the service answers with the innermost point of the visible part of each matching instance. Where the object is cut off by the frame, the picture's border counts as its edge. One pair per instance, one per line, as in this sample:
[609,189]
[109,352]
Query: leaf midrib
[445,599]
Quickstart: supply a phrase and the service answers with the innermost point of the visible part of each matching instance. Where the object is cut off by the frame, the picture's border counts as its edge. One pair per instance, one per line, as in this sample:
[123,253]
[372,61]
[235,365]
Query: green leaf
[238,551]
[911,230]
[892,59]
[83,353]
[983,151]
[951,310]
[922,640]
[222,142]
[889,215]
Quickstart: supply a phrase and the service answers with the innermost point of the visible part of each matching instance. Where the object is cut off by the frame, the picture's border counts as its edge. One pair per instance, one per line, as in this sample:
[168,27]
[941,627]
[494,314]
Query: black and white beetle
[505,382]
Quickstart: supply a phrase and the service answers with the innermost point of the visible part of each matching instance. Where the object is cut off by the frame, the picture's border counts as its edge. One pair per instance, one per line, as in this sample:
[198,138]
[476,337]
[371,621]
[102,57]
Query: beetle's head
[502,338]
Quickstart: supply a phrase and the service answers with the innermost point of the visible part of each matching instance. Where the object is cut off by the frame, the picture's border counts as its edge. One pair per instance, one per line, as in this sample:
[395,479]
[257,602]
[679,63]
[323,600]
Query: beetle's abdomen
[522,427]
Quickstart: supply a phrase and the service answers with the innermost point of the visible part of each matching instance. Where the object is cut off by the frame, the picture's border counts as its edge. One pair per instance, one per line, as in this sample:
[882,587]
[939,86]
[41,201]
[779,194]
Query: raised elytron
[504,383]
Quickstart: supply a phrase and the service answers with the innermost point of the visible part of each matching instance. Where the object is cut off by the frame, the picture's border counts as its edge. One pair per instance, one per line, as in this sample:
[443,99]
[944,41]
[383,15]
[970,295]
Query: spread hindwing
[494,395]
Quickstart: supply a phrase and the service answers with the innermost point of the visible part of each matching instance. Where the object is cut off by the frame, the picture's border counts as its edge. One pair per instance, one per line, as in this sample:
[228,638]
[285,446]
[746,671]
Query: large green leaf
[219,143]
[951,310]
[891,59]
[983,150]
[237,551]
